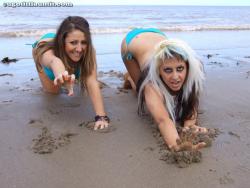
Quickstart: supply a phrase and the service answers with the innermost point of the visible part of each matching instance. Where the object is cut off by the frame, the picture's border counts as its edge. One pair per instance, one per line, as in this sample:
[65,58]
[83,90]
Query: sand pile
[47,143]
[187,155]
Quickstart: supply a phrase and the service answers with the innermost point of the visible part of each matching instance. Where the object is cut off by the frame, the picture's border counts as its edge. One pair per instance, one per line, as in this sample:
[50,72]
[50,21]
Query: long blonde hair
[167,49]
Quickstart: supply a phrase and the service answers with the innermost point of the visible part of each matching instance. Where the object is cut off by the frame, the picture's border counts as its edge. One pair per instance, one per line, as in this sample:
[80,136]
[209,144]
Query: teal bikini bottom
[132,34]
[46,36]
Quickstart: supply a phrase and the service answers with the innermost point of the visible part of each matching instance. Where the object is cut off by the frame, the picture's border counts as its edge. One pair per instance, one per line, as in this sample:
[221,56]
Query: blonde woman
[168,77]
[68,55]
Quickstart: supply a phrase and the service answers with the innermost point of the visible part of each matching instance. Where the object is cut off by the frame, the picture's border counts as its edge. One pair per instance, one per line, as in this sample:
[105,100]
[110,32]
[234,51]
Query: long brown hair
[87,63]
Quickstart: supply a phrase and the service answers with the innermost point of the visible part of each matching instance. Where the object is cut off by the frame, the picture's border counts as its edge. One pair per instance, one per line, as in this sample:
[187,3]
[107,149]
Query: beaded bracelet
[102,118]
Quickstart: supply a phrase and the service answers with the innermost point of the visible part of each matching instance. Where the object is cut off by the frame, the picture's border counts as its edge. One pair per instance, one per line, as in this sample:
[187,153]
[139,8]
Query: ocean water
[208,30]
[35,21]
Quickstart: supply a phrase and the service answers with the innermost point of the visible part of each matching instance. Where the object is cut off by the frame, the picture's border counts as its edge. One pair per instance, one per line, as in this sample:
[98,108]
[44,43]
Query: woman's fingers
[66,79]
[70,88]
[185,129]
[196,129]
[72,78]
[69,80]
[97,125]
[65,75]
[187,145]
[202,129]
[100,125]
[58,80]
[199,146]
[70,91]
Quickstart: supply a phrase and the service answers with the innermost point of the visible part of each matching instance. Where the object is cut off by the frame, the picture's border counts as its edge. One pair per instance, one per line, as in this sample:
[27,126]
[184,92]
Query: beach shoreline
[129,155]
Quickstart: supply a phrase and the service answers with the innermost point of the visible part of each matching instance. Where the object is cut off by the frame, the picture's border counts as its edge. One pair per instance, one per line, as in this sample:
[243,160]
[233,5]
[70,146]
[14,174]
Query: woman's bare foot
[128,82]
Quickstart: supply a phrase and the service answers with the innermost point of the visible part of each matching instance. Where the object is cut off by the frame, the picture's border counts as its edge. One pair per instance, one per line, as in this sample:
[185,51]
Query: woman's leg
[128,82]
[131,65]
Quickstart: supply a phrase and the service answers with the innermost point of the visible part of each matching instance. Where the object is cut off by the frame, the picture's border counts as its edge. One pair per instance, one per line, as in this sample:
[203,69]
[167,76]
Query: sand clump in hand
[45,142]
[188,138]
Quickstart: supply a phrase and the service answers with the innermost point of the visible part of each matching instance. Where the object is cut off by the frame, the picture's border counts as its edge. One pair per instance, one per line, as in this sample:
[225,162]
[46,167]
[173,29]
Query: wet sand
[129,155]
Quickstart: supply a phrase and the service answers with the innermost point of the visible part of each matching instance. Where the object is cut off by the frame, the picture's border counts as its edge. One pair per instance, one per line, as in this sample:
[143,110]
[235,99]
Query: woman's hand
[188,140]
[188,146]
[195,128]
[67,80]
[101,122]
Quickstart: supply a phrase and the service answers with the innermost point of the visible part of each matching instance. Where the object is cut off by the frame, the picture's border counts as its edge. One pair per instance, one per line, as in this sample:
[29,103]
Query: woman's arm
[49,60]
[158,110]
[154,102]
[96,98]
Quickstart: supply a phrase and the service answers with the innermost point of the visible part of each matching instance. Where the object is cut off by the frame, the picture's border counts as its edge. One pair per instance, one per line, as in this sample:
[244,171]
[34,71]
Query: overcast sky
[168,2]
[147,2]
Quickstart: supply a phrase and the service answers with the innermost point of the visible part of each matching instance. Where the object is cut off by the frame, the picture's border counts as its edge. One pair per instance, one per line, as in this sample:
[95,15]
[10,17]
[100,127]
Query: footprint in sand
[234,134]
[36,123]
[149,148]
[90,126]
[71,105]
[46,143]
[14,88]
[6,101]
[244,123]
[33,121]
[226,179]
[122,90]
[54,112]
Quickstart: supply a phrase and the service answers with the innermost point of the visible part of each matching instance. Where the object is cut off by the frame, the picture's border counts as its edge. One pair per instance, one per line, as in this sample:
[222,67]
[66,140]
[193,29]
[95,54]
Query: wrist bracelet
[102,118]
